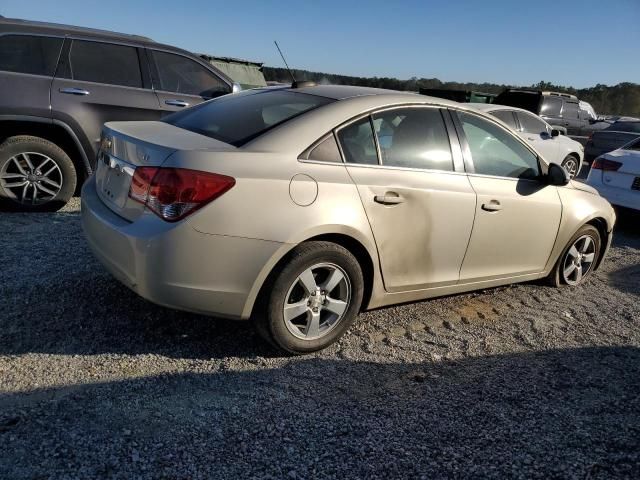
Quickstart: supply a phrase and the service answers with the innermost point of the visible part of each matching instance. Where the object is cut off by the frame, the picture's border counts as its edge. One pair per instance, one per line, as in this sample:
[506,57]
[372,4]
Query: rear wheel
[35,175]
[578,258]
[313,299]
[572,165]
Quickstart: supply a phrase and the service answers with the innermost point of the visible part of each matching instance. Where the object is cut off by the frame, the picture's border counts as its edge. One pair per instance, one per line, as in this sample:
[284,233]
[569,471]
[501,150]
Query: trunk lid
[128,145]
[627,177]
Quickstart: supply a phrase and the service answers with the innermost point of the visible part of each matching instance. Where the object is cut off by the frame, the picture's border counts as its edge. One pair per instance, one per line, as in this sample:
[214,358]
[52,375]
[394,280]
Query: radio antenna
[285,62]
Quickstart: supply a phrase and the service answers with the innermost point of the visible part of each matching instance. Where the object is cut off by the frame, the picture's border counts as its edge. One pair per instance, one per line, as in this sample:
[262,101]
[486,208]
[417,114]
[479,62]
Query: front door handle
[177,103]
[74,91]
[389,198]
[492,206]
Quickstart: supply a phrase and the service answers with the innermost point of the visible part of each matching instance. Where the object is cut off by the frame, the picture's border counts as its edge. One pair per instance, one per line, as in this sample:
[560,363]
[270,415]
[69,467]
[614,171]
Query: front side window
[531,124]
[506,116]
[237,119]
[551,106]
[358,143]
[570,110]
[413,138]
[496,152]
[104,63]
[178,74]
[29,54]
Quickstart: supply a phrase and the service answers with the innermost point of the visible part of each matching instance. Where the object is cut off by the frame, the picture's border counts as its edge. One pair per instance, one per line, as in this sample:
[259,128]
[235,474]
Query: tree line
[621,99]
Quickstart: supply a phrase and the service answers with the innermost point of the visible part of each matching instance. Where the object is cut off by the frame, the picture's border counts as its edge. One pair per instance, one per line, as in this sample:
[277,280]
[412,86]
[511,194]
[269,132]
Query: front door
[517,215]
[420,209]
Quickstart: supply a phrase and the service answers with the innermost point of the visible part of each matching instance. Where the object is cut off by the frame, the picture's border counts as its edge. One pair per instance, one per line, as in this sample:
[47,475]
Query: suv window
[506,116]
[180,74]
[496,152]
[104,63]
[29,54]
[551,106]
[531,124]
[358,144]
[570,110]
[237,119]
[413,138]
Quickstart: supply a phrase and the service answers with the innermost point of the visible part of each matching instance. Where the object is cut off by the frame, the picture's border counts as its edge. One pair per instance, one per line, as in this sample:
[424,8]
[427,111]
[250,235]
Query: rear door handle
[176,103]
[74,91]
[492,206]
[389,198]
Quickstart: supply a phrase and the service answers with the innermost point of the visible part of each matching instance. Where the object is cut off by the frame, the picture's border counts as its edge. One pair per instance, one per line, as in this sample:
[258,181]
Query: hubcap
[578,260]
[31,178]
[317,301]
[571,166]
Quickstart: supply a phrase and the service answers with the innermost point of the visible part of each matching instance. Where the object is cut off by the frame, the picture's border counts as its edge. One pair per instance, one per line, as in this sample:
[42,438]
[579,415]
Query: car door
[181,82]
[538,134]
[570,117]
[517,214]
[98,82]
[418,201]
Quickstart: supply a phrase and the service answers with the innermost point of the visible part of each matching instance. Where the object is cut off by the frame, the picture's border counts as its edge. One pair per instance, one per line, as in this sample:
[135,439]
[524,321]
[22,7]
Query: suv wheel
[35,175]
[313,299]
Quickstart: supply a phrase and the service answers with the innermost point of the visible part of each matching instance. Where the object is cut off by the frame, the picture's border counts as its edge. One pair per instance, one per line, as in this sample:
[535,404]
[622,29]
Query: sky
[577,43]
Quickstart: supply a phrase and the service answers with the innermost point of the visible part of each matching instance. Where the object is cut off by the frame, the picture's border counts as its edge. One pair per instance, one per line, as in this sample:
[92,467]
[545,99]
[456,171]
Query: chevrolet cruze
[299,207]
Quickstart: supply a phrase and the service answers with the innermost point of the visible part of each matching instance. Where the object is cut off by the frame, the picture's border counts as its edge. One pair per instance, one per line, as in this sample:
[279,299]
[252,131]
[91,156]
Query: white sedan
[616,175]
[555,148]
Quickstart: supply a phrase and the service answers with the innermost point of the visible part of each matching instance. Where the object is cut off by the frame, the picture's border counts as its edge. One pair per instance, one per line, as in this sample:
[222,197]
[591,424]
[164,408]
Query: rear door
[517,215]
[98,82]
[418,200]
[180,81]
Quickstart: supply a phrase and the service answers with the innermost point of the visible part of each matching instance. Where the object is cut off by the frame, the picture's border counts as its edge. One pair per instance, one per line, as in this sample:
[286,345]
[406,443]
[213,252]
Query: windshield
[239,118]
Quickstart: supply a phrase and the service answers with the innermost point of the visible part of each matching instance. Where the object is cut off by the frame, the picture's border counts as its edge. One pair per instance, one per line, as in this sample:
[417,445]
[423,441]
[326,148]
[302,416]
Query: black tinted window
[104,63]
[413,138]
[358,144]
[551,106]
[326,151]
[570,110]
[625,127]
[24,54]
[506,116]
[238,118]
[531,124]
[181,75]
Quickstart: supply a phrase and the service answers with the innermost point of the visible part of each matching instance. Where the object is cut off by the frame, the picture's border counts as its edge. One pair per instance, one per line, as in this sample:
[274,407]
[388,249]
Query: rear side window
[29,54]
[413,138]
[325,151]
[237,119]
[506,116]
[104,63]
[358,144]
[180,74]
[551,106]
[531,124]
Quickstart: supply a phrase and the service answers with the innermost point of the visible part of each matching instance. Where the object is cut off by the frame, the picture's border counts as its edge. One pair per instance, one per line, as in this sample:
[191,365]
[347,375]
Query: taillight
[174,193]
[605,164]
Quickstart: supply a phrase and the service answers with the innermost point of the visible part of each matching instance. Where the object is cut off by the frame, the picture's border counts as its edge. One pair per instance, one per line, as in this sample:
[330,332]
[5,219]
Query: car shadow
[550,414]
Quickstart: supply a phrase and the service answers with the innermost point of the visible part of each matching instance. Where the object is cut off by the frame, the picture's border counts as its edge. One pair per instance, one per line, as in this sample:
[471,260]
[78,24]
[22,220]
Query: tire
[20,176]
[558,276]
[572,165]
[330,266]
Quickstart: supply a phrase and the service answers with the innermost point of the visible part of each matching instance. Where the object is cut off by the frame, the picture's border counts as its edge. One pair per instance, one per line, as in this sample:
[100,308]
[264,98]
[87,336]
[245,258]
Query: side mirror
[555,132]
[557,175]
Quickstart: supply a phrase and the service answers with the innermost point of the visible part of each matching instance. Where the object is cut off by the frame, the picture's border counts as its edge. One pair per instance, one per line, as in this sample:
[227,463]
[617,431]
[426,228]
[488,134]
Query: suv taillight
[174,193]
[605,164]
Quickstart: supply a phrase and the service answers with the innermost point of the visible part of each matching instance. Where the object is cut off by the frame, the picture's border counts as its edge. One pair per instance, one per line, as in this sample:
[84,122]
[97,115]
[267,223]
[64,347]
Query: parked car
[59,84]
[561,110]
[616,175]
[614,136]
[301,206]
[555,148]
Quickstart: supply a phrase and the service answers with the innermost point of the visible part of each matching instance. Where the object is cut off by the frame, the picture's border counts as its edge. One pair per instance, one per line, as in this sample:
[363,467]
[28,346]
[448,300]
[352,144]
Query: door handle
[74,91]
[389,198]
[177,103]
[492,206]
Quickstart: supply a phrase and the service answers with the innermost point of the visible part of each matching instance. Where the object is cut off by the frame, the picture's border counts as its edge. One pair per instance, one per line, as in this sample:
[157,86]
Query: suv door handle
[389,198]
[492,206]
[74,91]
[177,103]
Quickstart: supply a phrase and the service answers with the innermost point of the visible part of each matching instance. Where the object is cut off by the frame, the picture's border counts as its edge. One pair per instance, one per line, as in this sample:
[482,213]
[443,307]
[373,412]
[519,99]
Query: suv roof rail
[560,94]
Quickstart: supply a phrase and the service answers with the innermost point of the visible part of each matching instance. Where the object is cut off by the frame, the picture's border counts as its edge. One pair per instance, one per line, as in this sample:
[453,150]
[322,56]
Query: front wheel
[572,165]
[578,259]
[313,299]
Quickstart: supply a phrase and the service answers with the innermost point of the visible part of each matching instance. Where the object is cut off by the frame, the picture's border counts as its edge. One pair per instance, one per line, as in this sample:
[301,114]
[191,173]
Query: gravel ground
[524,381]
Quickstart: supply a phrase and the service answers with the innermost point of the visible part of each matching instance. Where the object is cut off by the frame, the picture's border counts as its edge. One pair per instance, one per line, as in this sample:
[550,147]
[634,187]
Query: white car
[616,175]
[555,148]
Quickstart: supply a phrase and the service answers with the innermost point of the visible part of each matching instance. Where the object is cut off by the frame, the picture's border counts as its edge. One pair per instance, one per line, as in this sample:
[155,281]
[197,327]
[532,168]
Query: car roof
[493,107]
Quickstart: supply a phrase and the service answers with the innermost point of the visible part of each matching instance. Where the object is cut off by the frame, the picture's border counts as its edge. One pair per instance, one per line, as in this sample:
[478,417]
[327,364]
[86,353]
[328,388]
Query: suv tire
[34,166]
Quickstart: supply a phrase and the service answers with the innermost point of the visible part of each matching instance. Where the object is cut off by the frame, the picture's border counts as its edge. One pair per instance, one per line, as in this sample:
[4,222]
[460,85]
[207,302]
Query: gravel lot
[525,381]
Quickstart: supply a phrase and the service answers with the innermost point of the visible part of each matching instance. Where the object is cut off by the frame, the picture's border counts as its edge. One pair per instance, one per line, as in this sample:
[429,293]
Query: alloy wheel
[317,301]
[571,166]
[579,260]
[31,178]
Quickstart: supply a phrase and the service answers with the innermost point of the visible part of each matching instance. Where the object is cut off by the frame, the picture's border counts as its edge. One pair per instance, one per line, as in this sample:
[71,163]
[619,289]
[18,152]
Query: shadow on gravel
[571,413]
[626,279]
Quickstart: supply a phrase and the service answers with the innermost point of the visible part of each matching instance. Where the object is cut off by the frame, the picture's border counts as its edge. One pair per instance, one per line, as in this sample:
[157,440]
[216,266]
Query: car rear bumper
[172,264]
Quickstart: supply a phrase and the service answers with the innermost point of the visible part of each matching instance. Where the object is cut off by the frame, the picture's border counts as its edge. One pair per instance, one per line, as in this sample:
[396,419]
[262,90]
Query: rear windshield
[239,118]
